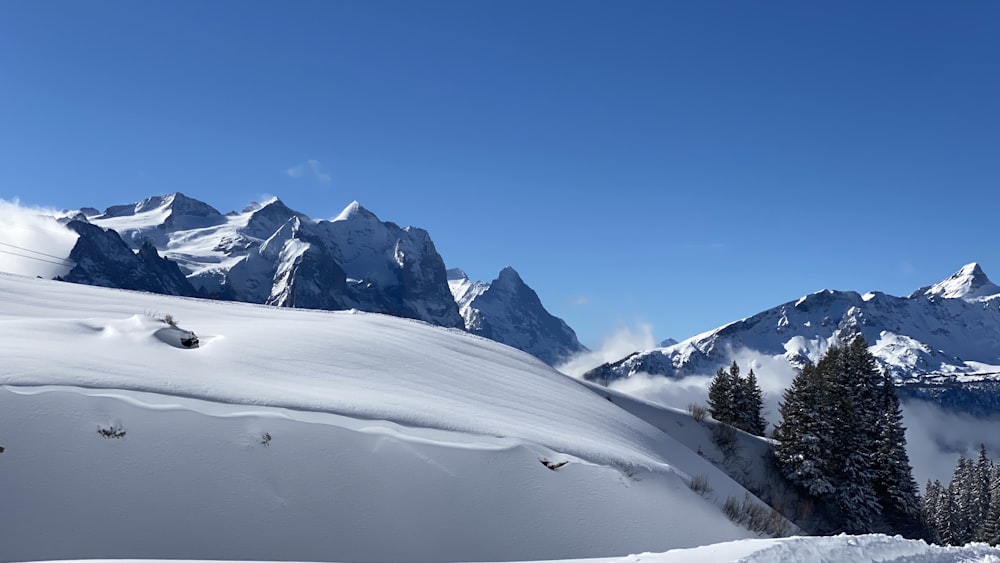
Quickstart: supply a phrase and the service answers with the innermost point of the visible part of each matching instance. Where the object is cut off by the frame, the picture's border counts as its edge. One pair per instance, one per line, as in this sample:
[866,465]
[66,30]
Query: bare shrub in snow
[725,437]
[756,517]
[265,439]
[170,320]
[700,485]
[697,412]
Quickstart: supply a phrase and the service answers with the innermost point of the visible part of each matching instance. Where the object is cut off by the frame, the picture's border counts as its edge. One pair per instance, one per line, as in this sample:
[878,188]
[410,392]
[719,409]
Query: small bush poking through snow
[700,485]
[170,320]
[114,431]
[697,412]
[724,437]
[265,439]
[756,517]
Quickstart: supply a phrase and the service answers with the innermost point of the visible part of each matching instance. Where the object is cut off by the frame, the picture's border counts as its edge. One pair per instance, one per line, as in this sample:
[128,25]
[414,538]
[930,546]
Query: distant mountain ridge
[943,332]
[509,311]
[270,254]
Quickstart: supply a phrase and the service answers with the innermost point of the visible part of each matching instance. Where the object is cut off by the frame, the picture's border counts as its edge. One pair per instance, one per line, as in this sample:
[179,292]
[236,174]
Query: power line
[31,251]
[67,263]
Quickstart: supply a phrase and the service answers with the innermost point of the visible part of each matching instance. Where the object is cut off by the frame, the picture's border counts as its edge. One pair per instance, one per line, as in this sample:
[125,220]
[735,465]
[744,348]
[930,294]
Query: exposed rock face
[510,312]
[103,259]
[390,269]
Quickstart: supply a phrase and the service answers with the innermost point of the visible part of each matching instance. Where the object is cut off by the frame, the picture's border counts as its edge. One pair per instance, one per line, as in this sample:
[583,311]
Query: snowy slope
[949,328]
[310,435]
[842,548]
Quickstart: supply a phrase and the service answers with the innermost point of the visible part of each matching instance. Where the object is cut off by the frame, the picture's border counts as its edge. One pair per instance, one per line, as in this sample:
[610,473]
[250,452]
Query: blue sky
[682,164]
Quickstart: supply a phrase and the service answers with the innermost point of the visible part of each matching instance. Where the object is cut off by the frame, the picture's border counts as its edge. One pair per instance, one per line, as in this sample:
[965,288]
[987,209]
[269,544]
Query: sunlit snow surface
[848,549]
[309,435]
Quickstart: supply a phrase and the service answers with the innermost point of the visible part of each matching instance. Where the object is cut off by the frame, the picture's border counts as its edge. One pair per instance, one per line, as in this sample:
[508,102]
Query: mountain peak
[508,278]
[969,283]
[354,210]
[457,274]
[256,205]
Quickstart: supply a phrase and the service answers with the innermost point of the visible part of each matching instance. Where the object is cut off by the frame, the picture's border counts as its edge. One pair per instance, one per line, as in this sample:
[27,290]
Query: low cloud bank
[935,437]
[33,242]
[774,375]
[621,343]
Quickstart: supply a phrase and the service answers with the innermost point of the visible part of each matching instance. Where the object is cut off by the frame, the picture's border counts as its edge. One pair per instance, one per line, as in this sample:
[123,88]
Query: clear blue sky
[683,164]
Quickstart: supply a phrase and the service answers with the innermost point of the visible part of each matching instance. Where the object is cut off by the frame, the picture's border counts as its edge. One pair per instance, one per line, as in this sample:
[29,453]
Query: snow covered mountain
[271,254]
[509,311]
[320,436]
[948,331]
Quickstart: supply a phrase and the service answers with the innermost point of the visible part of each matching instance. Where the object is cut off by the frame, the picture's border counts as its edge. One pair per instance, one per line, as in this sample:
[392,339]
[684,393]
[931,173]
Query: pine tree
[804,434]
[897,491]
[982,473]
[991,524]
[737,397]
[841,439]
[737,401]
[753,413]
[964,509]
[943,519]
[851,375]
[930,507]
[720,395]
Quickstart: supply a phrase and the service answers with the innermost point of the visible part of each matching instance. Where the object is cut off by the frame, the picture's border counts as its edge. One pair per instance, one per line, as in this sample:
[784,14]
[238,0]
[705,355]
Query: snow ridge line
[392,428]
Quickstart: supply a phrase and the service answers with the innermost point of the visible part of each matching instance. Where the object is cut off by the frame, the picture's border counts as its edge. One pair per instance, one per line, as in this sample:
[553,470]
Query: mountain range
[273,255]
[942,334]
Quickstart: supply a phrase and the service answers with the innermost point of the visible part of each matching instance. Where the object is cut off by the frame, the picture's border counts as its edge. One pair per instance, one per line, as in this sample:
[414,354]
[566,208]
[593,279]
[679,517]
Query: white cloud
[623,342]
[581,301]
[774,374]
[312,168]
[935,438]
[33,242]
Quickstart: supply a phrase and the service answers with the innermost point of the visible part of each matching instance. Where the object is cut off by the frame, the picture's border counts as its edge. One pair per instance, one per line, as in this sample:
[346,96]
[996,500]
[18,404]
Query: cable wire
[31,251]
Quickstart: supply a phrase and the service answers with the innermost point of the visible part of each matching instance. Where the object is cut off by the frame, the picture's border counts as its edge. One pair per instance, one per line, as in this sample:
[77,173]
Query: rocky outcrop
[102,258]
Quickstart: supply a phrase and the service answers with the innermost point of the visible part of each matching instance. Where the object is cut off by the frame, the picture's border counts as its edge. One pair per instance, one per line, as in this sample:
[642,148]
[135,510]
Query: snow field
[321,436]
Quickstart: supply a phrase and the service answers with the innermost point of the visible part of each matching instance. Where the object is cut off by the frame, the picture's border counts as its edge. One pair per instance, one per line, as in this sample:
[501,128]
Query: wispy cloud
[581,301]
[313,168]
[621,343]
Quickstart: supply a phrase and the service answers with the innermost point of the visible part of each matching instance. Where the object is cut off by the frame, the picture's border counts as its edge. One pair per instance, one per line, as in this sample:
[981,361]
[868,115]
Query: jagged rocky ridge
[271,254]
[941,334]
[509,311]
[102,258]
